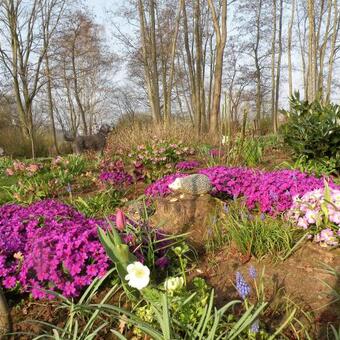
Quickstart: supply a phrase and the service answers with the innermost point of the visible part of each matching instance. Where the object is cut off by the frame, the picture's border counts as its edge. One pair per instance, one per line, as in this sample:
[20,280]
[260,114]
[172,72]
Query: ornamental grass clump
[319,212]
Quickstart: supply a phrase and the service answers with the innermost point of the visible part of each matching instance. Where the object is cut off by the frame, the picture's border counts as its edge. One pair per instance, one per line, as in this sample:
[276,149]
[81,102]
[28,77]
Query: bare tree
[22,51]
[221,37]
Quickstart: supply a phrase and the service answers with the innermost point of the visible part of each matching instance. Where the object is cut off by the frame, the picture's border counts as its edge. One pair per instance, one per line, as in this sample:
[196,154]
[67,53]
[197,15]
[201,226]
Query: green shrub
[317,167]
[313,129]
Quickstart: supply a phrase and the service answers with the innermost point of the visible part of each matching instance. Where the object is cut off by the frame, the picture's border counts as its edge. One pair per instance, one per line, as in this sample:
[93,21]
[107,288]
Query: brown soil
[302,278]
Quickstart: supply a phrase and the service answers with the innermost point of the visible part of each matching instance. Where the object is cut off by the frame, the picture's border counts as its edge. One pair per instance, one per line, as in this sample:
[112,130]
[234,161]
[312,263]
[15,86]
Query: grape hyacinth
[242,286]
[255,327]
[252,272]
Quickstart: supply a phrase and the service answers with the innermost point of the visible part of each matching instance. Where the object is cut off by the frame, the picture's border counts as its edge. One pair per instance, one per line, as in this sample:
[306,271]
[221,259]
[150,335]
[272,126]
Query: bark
[221,37]
[190,63]
[273,52]
[322,51]
[154,73]
[5,321]
[50,103]
[289,47]
[199,80]
[150,59]
[172,63]
[278,72]
[257,63]
[332,50]
[311,52]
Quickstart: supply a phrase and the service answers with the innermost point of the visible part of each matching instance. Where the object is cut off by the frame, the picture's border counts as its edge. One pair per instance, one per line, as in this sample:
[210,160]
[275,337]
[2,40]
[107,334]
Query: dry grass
[127,136]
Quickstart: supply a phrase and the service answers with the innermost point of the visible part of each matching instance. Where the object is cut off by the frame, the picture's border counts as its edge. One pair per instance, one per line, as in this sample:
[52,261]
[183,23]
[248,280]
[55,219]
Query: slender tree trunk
[278,72]
[311,52]
[199,82]
[153,47]
[172,62]
[257,64]
[50,103]
[221,37]
[191,70]
[273,52]
[332,50]
[289,47]
[148,38]
[322,52]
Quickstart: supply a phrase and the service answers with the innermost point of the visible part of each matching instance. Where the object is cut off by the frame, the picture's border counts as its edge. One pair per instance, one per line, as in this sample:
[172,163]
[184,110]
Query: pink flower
[9,172]
[120,220]
[33,168]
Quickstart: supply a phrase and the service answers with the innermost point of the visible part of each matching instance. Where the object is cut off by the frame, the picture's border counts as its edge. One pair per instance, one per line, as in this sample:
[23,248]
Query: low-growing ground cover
[51,246]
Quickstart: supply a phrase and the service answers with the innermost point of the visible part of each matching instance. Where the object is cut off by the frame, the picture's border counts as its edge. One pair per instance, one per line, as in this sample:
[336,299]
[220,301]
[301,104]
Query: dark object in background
[94,142]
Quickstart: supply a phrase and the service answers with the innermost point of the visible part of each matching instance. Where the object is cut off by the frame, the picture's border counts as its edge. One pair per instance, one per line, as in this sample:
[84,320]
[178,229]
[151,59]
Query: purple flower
[187,165]
[255,327]
[116,178]
[242,286]
[252,272]
[162,262]
[269,192]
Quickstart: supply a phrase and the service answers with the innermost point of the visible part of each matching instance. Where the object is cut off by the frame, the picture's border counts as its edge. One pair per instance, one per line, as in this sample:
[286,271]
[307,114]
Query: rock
[2,152]
[196,184]
[196,215]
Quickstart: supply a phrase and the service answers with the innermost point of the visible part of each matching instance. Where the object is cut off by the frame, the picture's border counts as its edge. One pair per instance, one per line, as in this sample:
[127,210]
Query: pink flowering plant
[23,169]
[266,191]
[318,211]
[49,245]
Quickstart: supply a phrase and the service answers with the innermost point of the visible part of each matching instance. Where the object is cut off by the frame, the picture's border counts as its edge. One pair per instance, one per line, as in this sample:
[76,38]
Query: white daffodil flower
[173,283]
[138,275]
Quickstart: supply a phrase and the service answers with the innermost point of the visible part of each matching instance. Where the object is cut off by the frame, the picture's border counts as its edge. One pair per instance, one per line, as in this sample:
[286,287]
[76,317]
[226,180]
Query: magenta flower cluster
[161,186]
[116,177]
[49,245]
[269,192]
[187,165]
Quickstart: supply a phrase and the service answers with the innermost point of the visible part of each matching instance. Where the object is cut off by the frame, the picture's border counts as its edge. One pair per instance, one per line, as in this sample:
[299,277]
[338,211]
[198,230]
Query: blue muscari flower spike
[255,327]
[262,217]
[69,188]
[252,272]
[242,286]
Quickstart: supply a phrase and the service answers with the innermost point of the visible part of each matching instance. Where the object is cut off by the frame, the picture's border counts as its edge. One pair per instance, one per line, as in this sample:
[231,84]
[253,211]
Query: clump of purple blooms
[49,245]
[314,211]
[116,177]
[187,165]
[269,192]
[161,187]
[113,173]
[242,286]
